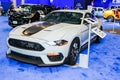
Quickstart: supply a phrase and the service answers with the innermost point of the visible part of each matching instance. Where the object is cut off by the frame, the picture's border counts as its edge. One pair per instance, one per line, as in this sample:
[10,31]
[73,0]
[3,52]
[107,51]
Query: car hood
[20,9]
[44,30]
[20,12]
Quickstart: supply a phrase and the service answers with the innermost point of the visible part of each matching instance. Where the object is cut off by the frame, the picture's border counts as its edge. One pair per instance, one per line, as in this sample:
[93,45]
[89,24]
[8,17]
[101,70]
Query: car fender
[72,35]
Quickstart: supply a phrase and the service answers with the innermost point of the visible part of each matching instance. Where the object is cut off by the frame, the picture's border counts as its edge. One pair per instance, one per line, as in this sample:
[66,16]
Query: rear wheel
[73,52]
[110,19]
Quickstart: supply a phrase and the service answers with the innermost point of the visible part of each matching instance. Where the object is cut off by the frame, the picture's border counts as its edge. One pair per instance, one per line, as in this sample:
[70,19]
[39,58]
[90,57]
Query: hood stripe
[36,28]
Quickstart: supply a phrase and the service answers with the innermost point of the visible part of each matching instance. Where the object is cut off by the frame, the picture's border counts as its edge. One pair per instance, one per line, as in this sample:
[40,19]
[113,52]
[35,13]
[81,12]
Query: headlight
[58,43]
[26,15]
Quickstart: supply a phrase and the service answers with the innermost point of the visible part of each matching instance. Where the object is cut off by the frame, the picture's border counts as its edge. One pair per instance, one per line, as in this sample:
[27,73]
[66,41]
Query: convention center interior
[59,39]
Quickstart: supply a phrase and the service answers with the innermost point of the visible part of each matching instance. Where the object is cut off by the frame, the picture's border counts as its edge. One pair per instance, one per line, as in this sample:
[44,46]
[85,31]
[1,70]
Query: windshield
[64,17]
[33,8]
[25,8]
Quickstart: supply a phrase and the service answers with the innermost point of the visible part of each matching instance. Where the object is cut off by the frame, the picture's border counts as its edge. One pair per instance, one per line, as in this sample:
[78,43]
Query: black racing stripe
[36,28]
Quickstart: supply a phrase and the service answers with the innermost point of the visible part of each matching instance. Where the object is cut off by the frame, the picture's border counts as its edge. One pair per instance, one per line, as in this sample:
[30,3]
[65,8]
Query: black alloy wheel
[110,19]
[73,52]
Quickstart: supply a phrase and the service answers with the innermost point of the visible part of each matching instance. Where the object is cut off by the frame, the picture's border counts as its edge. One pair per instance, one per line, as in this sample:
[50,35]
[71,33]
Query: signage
[116,1]
[99,32]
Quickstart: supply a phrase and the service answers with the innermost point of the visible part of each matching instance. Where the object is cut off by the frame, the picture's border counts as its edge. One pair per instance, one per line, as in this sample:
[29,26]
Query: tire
[110,19]
[98,39]
[73,52]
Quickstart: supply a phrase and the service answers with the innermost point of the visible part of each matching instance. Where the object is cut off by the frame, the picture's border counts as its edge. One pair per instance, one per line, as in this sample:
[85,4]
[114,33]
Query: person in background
[53,7]
[58,8]
[12,6]
[1,10]
[11,9]
[66,7]
[36,17]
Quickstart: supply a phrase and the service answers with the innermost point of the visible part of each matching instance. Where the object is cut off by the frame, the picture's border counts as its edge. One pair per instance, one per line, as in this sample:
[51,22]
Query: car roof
[113,9]
[30,4]
[78,11]
[98,7]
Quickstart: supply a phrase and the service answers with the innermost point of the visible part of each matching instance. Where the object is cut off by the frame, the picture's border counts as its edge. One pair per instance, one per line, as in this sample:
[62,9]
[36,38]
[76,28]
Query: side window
[99,9]
[88,15]
[95,9]
[93,17]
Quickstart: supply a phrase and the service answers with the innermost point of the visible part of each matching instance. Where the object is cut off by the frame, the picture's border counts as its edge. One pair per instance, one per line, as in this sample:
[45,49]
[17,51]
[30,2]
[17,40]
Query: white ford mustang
[57,39]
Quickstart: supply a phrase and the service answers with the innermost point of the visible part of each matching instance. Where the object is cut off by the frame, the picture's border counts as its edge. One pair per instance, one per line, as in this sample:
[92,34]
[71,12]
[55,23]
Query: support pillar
[14,3]
[22,1]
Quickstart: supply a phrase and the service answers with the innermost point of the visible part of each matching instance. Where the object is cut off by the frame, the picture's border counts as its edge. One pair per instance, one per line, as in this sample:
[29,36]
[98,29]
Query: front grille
[19,20]
[26,58]
[26,45]
[15,19]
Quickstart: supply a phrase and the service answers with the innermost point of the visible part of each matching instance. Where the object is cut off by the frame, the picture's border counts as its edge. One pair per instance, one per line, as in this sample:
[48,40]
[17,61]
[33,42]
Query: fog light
[55,56]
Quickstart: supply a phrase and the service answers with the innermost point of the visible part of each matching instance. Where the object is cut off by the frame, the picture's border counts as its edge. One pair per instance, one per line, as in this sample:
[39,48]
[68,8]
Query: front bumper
[54,60]
[25,58]
[17,21]
[33,56]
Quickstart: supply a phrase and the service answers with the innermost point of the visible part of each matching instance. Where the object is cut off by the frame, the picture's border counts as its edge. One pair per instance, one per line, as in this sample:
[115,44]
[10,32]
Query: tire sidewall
[110,19]
[70,60]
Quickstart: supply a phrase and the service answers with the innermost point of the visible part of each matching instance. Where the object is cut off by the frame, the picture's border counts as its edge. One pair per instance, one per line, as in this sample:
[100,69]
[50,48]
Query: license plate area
[14,22]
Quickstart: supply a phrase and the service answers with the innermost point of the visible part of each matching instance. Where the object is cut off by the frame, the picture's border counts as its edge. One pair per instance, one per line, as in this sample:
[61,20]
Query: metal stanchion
[84,58]
[113,28]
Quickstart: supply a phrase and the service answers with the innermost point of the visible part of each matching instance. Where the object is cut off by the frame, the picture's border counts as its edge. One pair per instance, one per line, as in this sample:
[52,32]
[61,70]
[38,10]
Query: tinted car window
[100,10]
[88,15]
[64,17]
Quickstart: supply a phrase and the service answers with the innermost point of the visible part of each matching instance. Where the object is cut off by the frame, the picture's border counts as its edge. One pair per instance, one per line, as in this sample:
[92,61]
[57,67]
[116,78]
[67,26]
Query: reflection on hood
[36,28]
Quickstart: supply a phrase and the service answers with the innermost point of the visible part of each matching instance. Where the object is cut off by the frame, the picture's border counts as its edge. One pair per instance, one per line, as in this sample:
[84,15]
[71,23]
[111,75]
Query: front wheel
[73,52]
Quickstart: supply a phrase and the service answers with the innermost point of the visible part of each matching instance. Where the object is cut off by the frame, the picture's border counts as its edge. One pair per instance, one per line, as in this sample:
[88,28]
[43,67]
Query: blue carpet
[104,62]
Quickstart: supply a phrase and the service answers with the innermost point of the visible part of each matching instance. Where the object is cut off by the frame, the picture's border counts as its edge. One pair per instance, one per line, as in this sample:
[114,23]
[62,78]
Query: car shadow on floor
[116,31]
